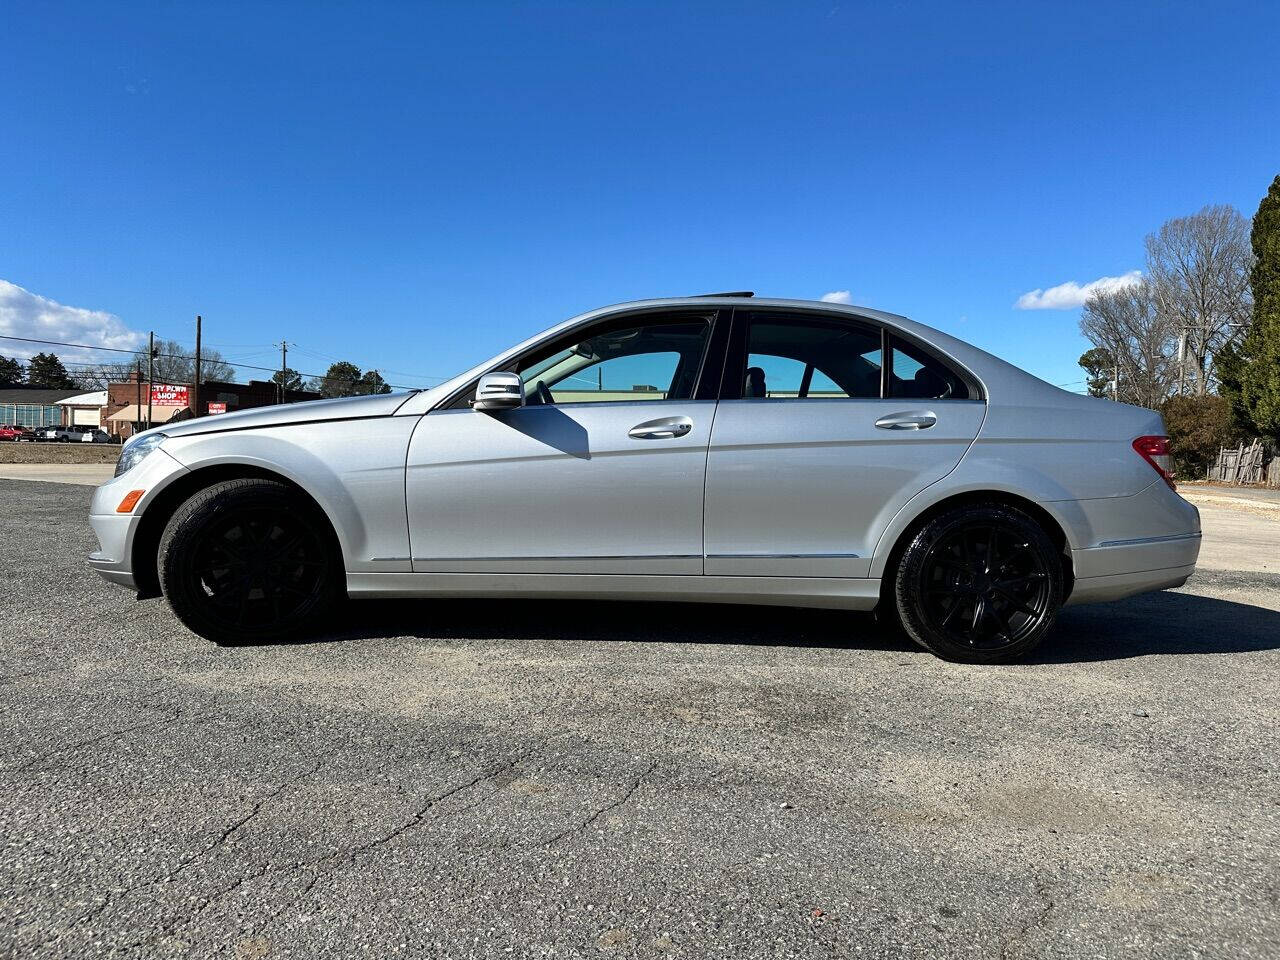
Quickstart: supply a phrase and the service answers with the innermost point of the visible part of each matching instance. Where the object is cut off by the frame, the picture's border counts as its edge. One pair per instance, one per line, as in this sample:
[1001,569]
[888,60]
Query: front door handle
[668,428]
[910,420]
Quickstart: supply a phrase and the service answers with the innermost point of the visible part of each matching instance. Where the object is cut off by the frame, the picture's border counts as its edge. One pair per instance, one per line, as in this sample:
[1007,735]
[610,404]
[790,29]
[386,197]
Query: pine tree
[340,380]
[10,371]
[1100,365]
[1252,379]
[46,370]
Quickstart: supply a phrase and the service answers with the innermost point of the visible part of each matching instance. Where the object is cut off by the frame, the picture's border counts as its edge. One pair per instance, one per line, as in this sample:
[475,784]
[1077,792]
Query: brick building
[126,410]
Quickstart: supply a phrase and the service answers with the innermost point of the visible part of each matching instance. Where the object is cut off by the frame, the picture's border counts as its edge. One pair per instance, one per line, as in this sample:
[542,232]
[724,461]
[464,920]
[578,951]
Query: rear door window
[810,358]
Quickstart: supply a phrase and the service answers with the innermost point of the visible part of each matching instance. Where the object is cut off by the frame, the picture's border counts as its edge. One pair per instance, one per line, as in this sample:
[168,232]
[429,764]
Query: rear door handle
[909,420]
[668,428]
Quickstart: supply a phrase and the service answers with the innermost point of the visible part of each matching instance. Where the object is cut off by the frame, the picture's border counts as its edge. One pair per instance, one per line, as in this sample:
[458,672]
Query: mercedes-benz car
[720,449]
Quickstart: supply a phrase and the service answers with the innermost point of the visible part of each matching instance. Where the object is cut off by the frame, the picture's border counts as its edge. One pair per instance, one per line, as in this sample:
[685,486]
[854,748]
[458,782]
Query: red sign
[168,395]
[217,408]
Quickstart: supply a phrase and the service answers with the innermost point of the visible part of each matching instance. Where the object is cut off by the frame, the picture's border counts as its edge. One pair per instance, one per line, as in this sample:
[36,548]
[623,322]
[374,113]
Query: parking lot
[462,779]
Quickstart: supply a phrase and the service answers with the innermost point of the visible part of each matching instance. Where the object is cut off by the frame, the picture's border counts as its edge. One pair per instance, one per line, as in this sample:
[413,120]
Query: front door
[601,472]
[819,443]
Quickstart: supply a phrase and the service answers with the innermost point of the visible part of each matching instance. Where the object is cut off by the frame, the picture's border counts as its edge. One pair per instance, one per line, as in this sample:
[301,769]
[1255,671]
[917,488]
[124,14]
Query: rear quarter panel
[1064,452]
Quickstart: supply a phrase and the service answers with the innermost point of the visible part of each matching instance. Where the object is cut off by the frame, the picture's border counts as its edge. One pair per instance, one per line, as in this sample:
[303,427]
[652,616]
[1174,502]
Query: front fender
[354,471]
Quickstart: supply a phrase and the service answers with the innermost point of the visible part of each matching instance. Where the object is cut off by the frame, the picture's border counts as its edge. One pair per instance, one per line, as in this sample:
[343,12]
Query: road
[463,779]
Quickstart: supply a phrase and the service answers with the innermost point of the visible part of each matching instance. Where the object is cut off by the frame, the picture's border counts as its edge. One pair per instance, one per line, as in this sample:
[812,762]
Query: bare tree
[1198,273]
[174,363]
[97,376]
[1126,324]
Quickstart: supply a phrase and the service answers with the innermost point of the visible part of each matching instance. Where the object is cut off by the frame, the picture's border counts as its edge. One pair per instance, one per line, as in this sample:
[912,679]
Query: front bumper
[112,559]
[115,531]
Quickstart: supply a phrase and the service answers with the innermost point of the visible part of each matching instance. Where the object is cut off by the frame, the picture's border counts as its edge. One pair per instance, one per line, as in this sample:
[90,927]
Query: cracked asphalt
[463,779]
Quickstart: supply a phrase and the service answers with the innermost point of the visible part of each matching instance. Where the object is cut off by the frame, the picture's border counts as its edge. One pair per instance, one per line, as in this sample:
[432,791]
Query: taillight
[1155,450]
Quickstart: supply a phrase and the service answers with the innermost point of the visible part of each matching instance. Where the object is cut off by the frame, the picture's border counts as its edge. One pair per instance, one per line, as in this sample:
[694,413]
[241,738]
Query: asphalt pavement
[497,779]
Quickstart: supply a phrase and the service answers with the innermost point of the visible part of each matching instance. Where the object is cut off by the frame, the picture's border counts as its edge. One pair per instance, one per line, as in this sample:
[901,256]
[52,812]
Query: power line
[176,356]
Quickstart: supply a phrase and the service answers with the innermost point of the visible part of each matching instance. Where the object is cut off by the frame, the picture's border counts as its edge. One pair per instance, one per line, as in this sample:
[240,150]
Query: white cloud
[838,296]
[1069,295]
[27,314]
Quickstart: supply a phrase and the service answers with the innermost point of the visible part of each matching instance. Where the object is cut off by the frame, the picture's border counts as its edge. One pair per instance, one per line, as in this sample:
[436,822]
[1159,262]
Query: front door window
[652,362]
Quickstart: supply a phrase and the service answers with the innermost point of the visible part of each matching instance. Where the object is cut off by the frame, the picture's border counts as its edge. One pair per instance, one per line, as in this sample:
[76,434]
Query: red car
[8,432]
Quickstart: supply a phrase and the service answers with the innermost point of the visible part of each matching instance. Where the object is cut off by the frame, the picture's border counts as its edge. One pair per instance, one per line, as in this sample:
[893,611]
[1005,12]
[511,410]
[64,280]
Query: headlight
[135,451]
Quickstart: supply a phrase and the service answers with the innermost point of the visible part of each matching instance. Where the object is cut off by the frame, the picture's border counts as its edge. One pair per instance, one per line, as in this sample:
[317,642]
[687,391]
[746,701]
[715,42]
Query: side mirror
[499,391]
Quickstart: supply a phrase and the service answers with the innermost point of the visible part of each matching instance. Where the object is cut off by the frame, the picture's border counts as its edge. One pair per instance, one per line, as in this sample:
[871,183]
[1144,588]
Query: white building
[84,409]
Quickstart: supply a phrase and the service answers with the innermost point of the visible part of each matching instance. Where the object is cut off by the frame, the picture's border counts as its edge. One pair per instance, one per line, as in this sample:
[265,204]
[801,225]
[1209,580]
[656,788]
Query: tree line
[174,363]
[1198,336]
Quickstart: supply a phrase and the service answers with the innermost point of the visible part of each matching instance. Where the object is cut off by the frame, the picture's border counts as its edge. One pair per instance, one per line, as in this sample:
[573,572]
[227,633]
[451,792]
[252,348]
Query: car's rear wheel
[979,584]
[250,561]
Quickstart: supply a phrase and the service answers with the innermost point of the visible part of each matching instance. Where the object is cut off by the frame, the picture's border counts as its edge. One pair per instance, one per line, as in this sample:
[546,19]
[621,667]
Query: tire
[948,600]
[251,561]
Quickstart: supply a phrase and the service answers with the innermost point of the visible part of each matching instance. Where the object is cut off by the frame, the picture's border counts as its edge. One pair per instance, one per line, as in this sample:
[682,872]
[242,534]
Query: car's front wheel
[250,561]
[979,584]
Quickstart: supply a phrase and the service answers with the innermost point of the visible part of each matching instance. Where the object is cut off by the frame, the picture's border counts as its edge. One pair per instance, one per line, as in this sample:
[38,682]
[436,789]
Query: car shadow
[1156,623]
[616,621]
[547,424]
[1159,623]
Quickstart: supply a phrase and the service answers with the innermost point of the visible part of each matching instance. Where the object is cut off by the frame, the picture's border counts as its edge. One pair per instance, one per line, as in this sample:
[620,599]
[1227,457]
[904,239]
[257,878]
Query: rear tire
[250,561]
[979,584]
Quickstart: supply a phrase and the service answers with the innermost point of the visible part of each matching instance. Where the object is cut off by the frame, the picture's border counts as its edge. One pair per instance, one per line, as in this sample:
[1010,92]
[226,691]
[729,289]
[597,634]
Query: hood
[283,414]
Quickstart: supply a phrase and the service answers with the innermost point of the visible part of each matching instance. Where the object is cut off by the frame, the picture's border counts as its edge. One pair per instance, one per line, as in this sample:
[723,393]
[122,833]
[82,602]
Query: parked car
[712,448]
[10,432]
[94,435]
[54,432]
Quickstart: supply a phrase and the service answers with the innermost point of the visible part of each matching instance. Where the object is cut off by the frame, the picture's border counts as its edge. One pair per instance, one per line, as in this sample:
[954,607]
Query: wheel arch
[906,528]
[146,539]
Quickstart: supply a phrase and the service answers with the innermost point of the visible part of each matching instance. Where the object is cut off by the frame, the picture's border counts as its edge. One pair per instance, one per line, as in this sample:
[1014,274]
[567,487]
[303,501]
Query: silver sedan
[719,449]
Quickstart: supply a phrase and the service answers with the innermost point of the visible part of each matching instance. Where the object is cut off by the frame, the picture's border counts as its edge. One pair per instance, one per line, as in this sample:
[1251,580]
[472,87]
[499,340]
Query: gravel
[466,779]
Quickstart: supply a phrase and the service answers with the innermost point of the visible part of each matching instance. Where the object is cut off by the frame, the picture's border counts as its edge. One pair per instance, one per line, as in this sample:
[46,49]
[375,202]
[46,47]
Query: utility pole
[1115,384]
[284,366]
[137,379]
[1182,361]
[151,360]
[195,387]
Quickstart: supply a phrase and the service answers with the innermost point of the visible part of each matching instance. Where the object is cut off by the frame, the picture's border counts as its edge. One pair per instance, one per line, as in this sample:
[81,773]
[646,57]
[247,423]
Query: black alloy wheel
[980,584]
[247,561]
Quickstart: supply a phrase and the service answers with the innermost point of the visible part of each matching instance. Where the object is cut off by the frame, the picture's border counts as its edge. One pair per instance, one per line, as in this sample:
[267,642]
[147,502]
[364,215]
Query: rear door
[827,426]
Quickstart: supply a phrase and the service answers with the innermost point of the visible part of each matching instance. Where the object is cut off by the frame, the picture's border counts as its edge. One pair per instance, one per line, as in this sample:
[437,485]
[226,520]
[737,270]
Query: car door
[826,428]
[601,471]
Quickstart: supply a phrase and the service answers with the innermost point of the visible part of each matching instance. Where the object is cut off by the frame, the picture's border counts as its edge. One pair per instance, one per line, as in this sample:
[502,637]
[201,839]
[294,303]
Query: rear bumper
[1114,570]
[1120,585]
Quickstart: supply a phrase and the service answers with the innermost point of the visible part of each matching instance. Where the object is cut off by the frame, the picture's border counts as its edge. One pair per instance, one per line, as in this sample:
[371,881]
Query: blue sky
[415,186]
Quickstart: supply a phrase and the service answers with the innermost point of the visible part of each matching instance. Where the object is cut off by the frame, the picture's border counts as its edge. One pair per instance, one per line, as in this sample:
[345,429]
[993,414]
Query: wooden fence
[1247,465]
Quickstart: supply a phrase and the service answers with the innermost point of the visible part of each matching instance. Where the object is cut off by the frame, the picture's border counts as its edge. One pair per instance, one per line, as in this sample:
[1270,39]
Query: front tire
[979,584]
[250,561]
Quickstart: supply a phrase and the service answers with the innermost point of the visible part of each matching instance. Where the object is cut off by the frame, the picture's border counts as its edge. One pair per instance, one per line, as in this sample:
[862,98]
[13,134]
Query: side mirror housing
[499,391]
